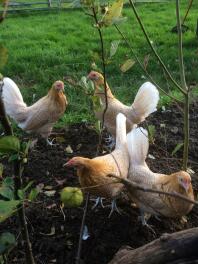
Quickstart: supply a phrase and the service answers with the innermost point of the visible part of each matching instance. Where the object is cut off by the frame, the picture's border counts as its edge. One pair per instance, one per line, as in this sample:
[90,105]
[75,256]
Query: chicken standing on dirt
[144,104]
[93,172]
[139,172]
[39,117]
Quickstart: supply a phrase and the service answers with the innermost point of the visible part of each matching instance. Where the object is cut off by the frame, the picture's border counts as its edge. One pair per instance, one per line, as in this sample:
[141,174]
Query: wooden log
[179,247]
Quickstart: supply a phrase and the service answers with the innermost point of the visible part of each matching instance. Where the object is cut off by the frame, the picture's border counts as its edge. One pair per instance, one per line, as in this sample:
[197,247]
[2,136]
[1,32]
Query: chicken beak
[186,186]
[66,164]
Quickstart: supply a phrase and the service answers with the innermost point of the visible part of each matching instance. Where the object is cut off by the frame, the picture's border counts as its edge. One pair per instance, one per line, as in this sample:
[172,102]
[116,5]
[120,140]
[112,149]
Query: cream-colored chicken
[39,117]
[95,171]
[144,104]
[139,172]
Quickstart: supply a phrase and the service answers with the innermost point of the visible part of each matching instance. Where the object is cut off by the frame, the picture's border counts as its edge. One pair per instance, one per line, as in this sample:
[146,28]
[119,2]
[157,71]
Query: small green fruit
[71,197]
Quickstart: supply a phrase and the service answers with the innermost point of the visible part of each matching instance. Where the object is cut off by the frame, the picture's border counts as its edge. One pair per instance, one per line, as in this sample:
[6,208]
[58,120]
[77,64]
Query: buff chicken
[93,173]
[139,172]
[40,117]
[144,104]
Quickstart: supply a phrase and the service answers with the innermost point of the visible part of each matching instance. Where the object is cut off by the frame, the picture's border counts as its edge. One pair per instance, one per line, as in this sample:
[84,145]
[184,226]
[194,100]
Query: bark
[179,247]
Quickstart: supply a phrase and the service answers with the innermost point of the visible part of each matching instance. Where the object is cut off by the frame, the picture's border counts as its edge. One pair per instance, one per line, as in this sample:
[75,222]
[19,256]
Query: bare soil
[54,235]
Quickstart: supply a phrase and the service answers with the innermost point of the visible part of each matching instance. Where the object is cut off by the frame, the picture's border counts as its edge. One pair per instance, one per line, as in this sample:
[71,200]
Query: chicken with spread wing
[144,104]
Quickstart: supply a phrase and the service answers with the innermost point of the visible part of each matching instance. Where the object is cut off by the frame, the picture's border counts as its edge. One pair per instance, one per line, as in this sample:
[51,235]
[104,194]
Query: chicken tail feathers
[120,130]
[138,144]
[13,100]
[145,101]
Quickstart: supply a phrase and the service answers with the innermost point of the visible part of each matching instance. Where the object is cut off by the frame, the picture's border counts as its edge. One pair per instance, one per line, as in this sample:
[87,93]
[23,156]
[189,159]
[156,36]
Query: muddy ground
[55,234]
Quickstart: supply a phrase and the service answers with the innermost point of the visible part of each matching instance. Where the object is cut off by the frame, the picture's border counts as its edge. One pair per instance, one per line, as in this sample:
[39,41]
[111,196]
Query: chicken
[139,172]
[39,117]
[144,104]
[93,172]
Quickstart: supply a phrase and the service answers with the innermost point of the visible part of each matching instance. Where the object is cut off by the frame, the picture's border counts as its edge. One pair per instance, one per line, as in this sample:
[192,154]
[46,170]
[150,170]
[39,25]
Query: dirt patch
[54,235]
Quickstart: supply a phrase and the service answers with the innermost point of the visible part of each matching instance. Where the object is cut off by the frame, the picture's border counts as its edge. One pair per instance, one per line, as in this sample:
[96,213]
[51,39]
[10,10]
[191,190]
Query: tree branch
[153,49]
[143,68]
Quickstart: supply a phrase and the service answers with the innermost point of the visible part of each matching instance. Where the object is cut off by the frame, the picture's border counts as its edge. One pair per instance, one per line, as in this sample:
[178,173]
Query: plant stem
[21,213]
[184,87]
[17,184]
[143,68]
[103,63]
[78,256]
[153,49]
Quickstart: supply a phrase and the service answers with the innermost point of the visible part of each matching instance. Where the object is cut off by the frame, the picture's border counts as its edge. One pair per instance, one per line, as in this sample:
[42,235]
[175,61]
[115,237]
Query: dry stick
[153,49]
[135,186]
[100,137]
[17,184]
[184,86]
[187,11]
[143,68]
[82,229]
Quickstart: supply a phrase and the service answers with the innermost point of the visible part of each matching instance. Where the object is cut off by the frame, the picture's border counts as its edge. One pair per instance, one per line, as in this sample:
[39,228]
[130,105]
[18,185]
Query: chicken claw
[50,143]
[98,201]
[114,208]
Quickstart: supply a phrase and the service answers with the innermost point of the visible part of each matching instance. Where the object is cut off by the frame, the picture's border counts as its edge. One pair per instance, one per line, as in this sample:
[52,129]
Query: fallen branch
[179,247]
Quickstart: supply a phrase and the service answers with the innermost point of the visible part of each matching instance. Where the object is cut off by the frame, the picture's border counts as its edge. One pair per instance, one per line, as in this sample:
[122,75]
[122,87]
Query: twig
[78,256]
[17,185]
[104,69]
[184,86]
[134,186]
[153,49]
[143,68]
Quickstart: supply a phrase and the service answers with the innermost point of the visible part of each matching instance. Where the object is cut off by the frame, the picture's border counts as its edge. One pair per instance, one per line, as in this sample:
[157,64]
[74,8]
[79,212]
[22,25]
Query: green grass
[43,47]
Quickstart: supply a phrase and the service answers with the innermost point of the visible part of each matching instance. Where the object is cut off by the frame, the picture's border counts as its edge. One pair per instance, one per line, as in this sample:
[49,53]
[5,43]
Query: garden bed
[55,234]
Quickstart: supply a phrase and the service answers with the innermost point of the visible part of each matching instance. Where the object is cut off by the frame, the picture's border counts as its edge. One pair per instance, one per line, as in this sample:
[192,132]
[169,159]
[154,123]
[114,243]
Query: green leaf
[97,104]
[21,194]
[13,157]
[33,194]
[127,65]
[7,241]
[25,147]
[28,186]
[7,208]
[151,133]
[114,47]
[6,192]
[8,181]
[9,144]
[1,170]
[112,14]
[6,188]
[97,126]
[177,148]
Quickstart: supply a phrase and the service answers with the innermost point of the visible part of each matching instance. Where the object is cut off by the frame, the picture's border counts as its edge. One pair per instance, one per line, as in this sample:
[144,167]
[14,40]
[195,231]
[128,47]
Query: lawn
[46,46]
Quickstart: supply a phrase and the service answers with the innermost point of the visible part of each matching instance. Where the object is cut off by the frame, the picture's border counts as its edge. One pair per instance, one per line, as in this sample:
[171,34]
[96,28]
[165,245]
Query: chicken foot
[114,208]
[144,218]
[98,201]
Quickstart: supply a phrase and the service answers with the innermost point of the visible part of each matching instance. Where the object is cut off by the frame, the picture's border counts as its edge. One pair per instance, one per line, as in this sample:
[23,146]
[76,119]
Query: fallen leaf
[52,232]
[50,193]
[151,156]
[78,147]
[48,187]
[60,139]
[60,182]
[127,65]
[68,149]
